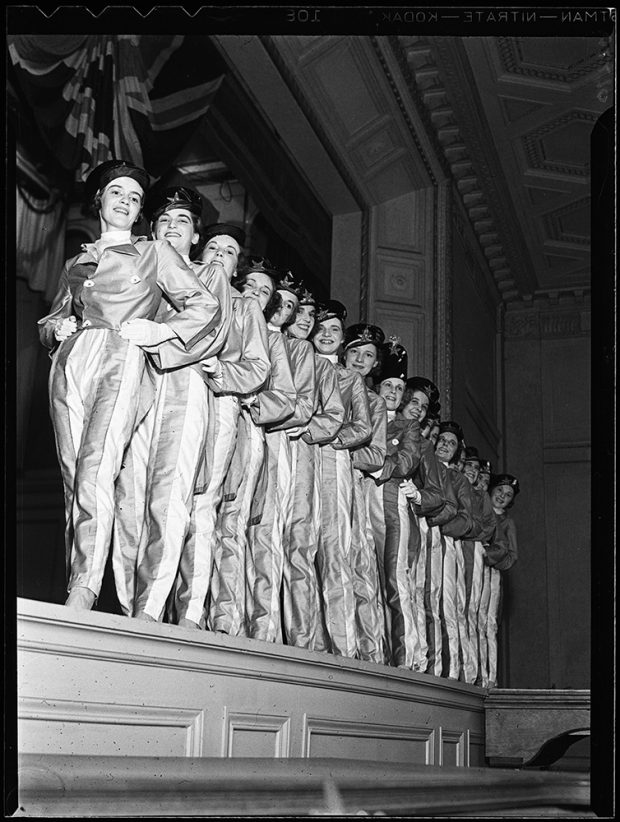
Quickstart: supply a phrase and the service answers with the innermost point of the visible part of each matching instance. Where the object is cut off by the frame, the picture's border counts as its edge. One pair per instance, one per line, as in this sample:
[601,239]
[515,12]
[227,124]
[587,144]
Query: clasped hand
[145,332]
[409,488]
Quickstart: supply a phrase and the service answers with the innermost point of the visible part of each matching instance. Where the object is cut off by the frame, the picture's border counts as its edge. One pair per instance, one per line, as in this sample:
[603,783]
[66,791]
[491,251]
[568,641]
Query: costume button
[89,283]
[395,442]
[86,323]
[135,279]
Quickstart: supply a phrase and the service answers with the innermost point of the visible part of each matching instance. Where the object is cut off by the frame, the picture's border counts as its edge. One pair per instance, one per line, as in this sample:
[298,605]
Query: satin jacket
[463,522]
[214,279]
[403,449]
[371,456]
[244,358]
[502,552]
[328,417]
[484,515]
[301,357]
[356,427]
[126,284]
[275,402]
[438,503]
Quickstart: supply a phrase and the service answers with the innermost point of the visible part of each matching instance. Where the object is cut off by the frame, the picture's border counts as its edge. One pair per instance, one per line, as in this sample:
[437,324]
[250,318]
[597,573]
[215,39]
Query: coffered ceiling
[520,112]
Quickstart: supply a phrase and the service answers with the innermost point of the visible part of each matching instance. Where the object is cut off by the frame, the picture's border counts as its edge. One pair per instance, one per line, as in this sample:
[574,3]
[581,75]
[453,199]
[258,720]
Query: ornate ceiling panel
[514,117]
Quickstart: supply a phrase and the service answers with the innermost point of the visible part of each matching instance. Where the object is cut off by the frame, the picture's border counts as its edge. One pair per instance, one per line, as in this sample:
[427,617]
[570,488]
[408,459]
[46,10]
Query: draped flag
[98,97]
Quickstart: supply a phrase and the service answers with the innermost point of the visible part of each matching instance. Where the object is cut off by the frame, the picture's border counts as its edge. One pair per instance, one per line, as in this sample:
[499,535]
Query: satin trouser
[334,551]
[171,437]
[95,401]
[472,555]
[433,587]
[368,613]
[265,542]
[228,580]
[301,601]
[492,623]
[449,618]
[483,614]
[376,514]
[420,662]
[202,542]
[399,589]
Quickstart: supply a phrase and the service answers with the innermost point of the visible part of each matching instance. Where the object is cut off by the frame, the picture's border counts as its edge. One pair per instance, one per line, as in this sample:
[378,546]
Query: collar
[274,327]
[331,357]
[391,415]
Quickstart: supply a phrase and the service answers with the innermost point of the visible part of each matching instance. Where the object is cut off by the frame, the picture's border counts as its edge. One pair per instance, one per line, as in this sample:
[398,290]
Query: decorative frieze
[541,323]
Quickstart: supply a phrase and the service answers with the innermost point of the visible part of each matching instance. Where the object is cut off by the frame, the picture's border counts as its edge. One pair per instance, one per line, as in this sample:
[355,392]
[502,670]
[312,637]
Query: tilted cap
[158,202]
[331,310]
[224,229]
[103,174]
[504,479]
[363,334]
[471,454]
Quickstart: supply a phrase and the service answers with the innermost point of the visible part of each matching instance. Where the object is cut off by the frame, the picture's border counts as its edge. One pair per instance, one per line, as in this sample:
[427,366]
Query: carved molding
[513,62]
[433,67]
[236,722]
[537,322]
[536,155]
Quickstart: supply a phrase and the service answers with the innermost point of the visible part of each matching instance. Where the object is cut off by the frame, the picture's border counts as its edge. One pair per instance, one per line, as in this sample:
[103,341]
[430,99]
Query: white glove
[146,332]
[411,491]
[212,367]
[65,328]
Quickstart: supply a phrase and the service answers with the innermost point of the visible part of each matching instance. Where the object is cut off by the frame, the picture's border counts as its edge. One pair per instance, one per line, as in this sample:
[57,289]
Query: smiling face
[259,287]
[222,250]
[177,226]
[483,481]
[285,312]
[417,407]
[362,358]
[502,497]
[121,201]
[329,336]
[303,322]
[447,443]
[392,391]
[471,469]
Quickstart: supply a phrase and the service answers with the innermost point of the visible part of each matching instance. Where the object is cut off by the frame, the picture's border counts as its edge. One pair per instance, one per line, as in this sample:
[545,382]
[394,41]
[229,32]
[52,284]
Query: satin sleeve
[327,420]
[301,355]
[370,457]
[488,520]
[276,400]
[61,309]
[428,477]
[502,551]
[247,374]
[460,524]
[198,309]
[403,452]
[172,353]
[358,429]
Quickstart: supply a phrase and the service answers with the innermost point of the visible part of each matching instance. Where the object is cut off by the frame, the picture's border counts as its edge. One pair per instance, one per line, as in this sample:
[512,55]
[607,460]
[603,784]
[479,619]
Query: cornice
[442,85]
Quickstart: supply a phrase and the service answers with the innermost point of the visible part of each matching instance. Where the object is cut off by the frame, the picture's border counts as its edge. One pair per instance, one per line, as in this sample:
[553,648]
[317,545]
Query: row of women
[254,465]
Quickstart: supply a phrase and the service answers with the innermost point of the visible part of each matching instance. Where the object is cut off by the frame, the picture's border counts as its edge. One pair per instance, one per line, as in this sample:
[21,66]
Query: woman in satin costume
[243,498]
[431,504]
[266,538]
[474,546]
[102,316]
[240,369]
[361,353]
[334,559]
[453,618]
[301,601]
[500,555]
[154,490]
[389,509]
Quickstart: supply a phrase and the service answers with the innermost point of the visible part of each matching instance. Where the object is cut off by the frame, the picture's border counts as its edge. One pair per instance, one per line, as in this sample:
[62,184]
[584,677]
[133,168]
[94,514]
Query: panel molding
[322,726]
[95,713]
[460,740]
[278,725]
